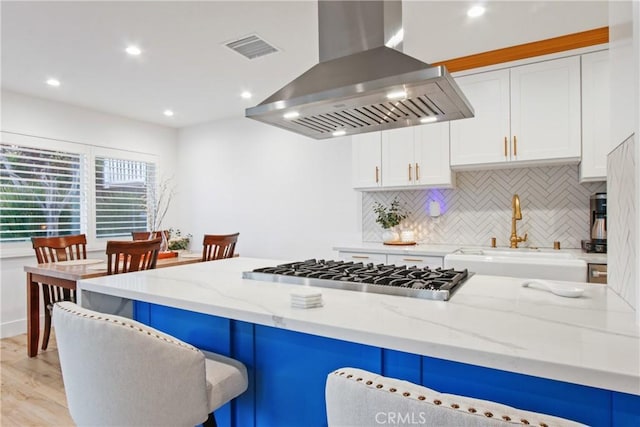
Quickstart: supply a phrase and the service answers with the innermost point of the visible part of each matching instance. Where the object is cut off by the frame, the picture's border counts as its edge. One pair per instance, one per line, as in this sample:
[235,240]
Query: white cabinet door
[431,150]
[398,157]
[595,116]
[420,261]
[545,110]
[364,257]
[366,160]
[481,139]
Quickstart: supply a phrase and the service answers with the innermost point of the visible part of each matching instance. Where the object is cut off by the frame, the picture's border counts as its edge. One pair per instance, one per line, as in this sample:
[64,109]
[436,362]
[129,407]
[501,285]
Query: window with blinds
[124,189]
[41,193]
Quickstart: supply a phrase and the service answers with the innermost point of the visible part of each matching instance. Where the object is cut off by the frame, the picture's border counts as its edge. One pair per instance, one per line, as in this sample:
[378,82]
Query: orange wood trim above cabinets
[528,50]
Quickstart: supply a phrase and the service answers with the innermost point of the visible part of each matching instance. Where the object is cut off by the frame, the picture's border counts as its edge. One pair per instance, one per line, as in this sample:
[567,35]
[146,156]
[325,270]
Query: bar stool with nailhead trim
[119,372]
[359,398]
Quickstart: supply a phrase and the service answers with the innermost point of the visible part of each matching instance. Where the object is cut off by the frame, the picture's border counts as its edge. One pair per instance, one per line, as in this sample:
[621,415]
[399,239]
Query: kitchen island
[575,358]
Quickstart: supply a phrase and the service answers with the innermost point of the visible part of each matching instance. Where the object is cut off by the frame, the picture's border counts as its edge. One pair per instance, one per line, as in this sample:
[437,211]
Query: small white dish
[554,288]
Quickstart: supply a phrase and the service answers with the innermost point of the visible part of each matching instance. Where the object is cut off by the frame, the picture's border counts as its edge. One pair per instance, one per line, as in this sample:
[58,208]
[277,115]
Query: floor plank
[32,392]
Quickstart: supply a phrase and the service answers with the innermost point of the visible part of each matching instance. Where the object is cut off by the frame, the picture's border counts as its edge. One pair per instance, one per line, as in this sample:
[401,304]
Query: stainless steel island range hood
[361,85]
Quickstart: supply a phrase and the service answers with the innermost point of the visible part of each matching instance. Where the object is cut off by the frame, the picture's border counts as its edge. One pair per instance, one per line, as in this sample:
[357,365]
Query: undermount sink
[517,253]
[521,262]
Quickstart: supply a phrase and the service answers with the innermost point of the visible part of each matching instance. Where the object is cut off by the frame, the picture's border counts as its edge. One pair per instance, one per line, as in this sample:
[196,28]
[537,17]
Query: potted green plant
[178,242]
[389,217]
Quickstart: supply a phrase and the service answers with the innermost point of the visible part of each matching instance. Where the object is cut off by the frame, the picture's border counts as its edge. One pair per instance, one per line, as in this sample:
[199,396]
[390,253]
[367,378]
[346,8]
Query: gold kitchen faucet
[516,215]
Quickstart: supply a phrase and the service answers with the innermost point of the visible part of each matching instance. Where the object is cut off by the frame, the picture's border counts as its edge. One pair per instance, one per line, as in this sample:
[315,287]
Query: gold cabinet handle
[409,171]
[359,257]
[417,172]
[515,146]
[413,259]
[377,174]
[505,147]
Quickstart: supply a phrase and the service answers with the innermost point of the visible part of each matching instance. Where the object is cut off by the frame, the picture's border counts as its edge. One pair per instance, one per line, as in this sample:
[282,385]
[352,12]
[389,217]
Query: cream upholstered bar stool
[119,372]
[358,398]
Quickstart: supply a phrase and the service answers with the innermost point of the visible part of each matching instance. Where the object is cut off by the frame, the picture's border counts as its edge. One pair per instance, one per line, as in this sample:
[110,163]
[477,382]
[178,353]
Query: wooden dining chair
[146,235]
[56,249]
[218,246]
[123,257]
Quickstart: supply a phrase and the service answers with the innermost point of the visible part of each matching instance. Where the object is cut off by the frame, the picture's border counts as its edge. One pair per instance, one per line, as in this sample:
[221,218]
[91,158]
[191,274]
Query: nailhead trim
[436,401]
[130,325]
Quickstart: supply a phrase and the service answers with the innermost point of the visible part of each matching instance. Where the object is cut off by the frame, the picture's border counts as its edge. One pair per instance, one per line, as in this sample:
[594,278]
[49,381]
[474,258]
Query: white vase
[390,235]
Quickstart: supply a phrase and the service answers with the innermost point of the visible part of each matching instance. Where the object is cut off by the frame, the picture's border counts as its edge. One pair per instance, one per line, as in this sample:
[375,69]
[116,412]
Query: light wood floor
[32,393]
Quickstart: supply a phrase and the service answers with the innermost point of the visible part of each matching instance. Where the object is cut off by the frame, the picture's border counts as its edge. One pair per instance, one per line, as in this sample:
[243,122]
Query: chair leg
[47,298]
[211,421]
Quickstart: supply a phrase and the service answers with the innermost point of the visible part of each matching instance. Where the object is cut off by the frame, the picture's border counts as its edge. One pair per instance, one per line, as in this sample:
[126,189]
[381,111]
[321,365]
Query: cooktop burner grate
[426,283]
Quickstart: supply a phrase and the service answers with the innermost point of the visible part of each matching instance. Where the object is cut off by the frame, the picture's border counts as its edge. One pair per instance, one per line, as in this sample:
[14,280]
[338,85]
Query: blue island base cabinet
[287,373]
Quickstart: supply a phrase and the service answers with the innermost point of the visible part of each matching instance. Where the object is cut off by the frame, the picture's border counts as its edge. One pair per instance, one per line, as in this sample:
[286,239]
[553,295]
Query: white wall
[624,48]
[47,119]
[289,196]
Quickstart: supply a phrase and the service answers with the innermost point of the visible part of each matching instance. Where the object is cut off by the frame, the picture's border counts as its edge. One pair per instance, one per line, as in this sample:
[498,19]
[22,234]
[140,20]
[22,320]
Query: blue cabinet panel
[291,371]
[242,349]
[287,374]
[626,410]
[404,366]
[575,402]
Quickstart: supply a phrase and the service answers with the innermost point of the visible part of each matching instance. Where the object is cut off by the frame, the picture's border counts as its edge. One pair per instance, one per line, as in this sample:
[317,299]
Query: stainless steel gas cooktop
[426,283]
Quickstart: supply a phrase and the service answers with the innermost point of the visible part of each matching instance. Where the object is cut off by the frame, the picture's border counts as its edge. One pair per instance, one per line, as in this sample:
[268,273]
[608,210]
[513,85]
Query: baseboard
[16,327]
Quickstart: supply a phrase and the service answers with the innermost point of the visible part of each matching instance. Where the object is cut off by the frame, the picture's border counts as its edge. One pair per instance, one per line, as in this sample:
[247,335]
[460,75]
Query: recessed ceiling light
[168,113]
[339,133]
[246,94]
[291,115]
[397,95]
[476,11]
[133,50]
[53,82]
[429,120]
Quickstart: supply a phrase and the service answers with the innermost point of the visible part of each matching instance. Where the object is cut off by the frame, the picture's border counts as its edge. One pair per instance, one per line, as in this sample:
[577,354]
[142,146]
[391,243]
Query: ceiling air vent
[251,46]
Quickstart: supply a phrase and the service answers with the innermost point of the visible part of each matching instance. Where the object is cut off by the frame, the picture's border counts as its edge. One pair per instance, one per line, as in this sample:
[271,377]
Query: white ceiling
[185,67]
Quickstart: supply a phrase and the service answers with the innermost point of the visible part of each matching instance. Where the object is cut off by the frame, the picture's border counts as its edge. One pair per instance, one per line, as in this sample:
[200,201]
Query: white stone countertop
[418,249]
[446,248]
[490,321]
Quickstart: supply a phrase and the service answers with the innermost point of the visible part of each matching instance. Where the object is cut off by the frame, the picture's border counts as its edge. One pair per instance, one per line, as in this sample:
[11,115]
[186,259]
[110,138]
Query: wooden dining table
[66,275]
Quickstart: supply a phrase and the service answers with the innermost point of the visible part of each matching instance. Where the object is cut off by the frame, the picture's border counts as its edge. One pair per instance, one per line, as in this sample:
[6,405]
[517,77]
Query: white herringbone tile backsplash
[554,207]
[621,242]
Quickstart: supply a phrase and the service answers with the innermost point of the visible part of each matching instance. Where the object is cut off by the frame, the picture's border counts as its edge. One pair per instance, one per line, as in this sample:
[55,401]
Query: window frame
[88,155]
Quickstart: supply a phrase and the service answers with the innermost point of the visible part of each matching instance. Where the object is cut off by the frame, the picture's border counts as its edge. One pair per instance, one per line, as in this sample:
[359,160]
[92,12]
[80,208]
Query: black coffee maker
[597,224]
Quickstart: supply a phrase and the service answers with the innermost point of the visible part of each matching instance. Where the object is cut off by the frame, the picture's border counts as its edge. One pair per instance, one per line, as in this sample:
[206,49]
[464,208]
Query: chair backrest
[60,248]
[146,235]
[123,257]
[219,246]
[360,398]
[119,372]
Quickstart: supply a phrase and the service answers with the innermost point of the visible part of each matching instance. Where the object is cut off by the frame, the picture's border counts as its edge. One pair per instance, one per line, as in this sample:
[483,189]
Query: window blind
[124,189]
[41,192]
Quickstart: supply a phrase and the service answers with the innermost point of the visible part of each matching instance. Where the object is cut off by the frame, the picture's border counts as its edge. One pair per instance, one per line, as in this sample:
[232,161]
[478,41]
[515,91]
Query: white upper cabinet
[595,116]
[431,155]
[367,161]
[528,114]
[416,156]
[481,139]
[545,110]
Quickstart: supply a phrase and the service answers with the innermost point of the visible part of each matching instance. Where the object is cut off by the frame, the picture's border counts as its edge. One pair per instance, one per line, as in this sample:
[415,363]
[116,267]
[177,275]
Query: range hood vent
[360,85]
